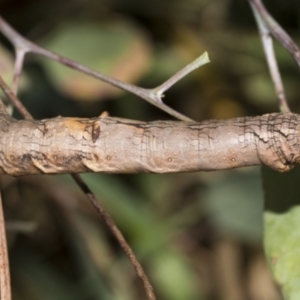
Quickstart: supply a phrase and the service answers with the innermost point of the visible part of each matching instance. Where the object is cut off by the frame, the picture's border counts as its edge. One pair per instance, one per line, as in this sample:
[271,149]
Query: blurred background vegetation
[197,235]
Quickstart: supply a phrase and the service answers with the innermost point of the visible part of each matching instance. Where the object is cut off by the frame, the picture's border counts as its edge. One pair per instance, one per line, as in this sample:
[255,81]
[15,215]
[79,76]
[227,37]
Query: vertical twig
[14,100]
[20,55]
[153,96]
[271,60]
[91,197]
[118,235]
[5,289]
[276,30]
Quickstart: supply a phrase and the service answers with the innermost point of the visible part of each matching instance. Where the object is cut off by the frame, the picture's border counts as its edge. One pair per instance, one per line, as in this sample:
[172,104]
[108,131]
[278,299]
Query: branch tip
[197,63]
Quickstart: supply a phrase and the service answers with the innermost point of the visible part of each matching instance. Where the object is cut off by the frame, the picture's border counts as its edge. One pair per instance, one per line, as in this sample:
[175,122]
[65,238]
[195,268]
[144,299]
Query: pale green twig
[151,95]
[198,62]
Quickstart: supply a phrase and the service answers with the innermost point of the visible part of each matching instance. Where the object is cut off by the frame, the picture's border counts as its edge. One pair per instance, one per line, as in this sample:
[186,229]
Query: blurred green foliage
[281,221]
[197,235]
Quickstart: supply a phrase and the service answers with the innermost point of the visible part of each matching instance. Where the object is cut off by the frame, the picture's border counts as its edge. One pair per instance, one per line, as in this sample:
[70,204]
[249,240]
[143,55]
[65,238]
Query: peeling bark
[113,145]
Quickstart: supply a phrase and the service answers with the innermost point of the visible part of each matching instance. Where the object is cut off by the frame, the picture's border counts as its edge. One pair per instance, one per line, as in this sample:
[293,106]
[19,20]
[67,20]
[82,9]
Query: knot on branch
[279,141]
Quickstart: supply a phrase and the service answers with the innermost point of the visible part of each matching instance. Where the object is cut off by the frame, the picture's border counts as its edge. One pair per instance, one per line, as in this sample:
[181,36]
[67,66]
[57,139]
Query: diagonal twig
[5,289]
[276,30]
[77,178]
[14,100]
[153,96]
[93,200]
[118,235]
[271,60]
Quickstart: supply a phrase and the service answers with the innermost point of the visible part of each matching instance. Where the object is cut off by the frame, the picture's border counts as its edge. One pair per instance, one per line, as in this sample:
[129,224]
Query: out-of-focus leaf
[260,88]
[282,234]
[234,203]
[146,229]
[225,108]
[147,233]
[282,244]
[93,256]
[118,49]
[173,276]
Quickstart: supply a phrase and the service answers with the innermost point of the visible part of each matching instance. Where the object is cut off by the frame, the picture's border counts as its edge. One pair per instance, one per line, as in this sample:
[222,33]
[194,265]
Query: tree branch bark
[114,145]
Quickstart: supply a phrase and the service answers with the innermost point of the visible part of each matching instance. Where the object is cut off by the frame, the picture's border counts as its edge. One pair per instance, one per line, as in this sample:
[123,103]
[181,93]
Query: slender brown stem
[153,96]
[15,100]
[267,43]
[20,55]
[276,30]
[4,263]
[118,235]
[91,197]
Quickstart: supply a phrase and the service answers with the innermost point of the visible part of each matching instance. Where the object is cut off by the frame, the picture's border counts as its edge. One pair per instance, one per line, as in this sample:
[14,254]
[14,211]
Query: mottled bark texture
[113,145]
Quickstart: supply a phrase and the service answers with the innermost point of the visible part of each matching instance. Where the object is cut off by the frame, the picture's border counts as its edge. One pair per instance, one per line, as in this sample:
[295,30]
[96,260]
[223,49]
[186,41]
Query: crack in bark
[113,145]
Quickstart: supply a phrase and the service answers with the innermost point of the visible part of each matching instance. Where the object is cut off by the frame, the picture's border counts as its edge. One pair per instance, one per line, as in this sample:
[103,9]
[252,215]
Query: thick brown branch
[113,145]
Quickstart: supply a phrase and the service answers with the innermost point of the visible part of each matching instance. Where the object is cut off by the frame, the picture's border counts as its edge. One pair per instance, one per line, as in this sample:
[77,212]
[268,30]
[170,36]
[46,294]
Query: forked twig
[92,198]
[21,45]
[154,96]
[271,60]
[276,30]
[5,288]
[118,235]
[268,25]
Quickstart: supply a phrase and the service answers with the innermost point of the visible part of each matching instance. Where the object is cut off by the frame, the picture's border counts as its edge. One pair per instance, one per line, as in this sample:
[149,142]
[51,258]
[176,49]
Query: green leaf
[282,234]
[234,201]
[173,275]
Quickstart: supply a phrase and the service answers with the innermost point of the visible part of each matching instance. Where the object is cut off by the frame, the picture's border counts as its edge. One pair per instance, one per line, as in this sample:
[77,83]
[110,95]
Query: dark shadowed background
[198,235]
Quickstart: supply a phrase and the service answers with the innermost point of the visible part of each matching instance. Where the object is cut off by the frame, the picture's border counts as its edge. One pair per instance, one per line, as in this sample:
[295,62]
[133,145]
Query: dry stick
[22,46]
[154,96]
[91,197]
[114,145]
[20,55]
[277,31]
[5,289]
[271,60]
[118,235]
[14,100]
[4,262]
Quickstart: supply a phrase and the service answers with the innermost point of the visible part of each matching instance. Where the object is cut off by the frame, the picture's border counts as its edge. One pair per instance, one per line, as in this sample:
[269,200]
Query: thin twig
[20,55]
[4,263]
[91,197]
[118,235]
[86,190]
[271,60]
[3,108]
[14,100]
[198,62]
[153,96]
[276,30]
